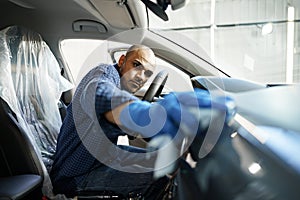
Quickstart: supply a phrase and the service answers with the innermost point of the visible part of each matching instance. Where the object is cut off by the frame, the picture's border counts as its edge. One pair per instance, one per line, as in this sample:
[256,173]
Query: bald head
[136,67]
[145,51]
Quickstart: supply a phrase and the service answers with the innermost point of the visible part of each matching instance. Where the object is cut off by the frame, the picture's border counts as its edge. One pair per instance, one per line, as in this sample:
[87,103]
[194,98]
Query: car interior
[37,84]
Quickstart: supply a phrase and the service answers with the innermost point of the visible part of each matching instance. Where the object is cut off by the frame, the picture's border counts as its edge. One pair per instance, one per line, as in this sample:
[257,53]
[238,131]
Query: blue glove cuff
[143,118]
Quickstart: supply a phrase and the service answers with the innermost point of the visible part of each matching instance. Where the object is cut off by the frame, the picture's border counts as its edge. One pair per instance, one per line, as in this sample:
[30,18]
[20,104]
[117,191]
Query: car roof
[97,19]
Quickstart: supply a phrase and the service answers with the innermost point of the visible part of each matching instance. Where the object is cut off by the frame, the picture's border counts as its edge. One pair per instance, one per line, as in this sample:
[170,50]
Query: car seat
[30,88]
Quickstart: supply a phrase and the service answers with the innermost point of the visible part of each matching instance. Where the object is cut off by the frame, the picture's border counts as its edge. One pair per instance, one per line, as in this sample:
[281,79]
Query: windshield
[256,40]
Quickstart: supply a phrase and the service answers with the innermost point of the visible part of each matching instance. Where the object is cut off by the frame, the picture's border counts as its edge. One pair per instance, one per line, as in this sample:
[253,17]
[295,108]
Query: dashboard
[257,154]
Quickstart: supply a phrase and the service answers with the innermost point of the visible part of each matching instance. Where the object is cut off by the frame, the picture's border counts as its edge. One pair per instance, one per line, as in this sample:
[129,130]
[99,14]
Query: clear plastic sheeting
[31,84]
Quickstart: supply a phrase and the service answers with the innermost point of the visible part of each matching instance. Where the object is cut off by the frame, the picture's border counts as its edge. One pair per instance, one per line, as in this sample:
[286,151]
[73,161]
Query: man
[73,162]
[103,108]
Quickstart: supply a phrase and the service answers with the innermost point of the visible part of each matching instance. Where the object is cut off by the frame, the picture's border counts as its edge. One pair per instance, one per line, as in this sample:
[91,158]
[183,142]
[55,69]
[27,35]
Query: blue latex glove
[166,115]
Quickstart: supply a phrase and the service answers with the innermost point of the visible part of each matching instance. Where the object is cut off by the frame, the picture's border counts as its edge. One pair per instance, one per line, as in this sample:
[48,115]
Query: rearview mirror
[162,5]
[175,4]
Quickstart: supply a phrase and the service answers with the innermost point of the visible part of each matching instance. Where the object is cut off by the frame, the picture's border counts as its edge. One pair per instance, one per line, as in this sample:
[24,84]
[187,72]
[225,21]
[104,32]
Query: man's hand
[170,114]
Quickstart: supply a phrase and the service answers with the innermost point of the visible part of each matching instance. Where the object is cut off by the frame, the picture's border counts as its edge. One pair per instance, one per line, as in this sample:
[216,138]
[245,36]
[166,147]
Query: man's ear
[121,61]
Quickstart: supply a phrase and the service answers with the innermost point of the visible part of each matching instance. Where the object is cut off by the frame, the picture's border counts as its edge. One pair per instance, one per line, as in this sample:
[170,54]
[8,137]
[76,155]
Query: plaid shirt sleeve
[108,92]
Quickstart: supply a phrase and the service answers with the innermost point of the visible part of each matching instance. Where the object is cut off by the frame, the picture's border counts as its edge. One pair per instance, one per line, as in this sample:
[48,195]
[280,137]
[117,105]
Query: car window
[82,55]
[254,40]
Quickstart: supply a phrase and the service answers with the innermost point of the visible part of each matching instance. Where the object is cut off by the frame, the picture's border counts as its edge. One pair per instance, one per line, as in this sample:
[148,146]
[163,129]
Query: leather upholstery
[17,187]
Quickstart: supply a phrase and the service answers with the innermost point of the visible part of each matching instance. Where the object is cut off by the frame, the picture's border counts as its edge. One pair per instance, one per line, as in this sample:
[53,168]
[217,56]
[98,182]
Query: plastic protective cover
[31,84]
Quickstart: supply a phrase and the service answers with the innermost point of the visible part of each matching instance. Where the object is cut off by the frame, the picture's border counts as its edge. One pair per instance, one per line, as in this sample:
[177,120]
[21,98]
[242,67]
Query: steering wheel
[156,86]
[154,90]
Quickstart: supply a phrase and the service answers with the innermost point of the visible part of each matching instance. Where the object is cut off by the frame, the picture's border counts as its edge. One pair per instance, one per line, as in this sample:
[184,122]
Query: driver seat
[30,88]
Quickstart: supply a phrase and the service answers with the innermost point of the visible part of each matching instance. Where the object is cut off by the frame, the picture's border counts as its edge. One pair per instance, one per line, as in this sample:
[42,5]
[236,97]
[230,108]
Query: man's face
[136,68]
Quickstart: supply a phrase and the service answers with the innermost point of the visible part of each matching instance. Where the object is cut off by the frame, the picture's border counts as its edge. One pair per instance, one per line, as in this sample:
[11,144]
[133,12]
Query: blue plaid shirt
[73,161]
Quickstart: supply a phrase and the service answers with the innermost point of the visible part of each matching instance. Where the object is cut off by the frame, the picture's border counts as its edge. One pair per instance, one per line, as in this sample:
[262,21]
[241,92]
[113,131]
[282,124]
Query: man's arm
[113,115]
[177,111]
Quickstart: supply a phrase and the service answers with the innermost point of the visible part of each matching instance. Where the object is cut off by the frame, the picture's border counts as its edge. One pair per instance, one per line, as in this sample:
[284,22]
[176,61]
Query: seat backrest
[30,89]
[17,155]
